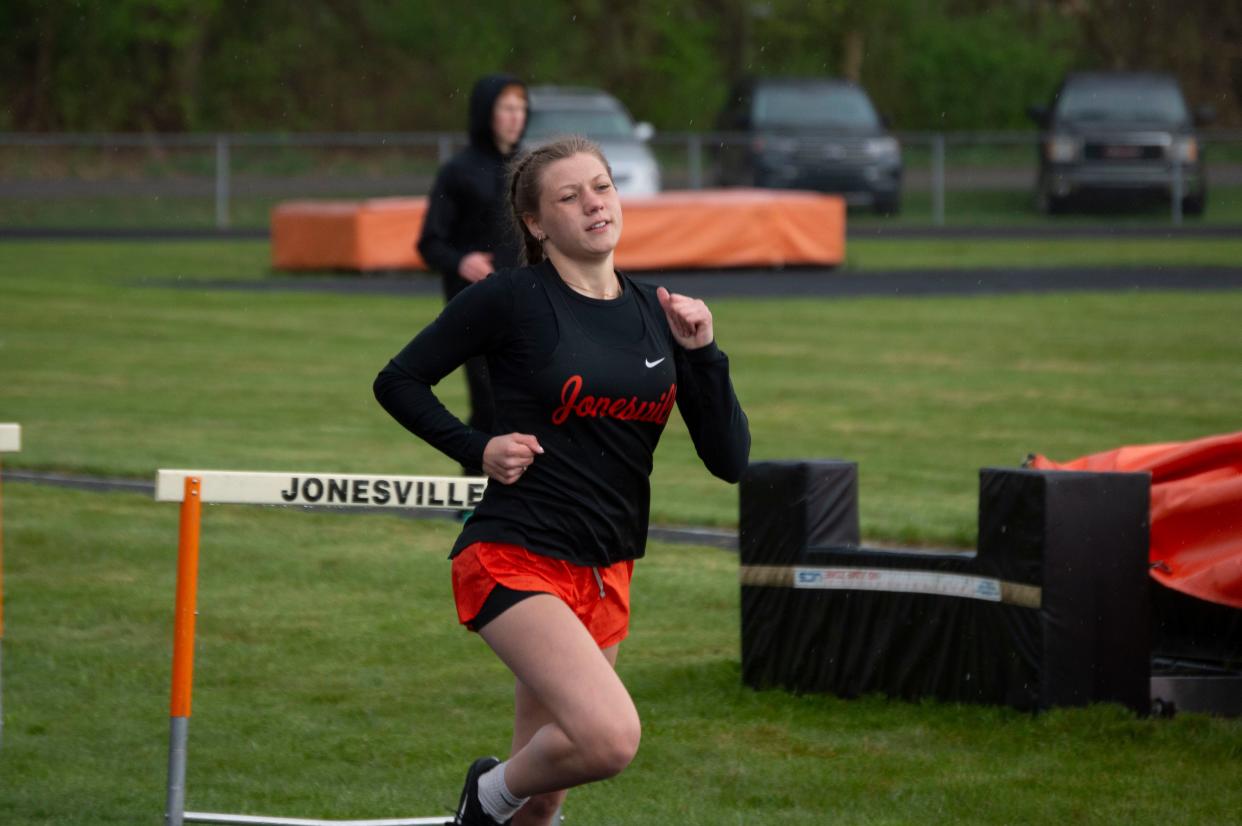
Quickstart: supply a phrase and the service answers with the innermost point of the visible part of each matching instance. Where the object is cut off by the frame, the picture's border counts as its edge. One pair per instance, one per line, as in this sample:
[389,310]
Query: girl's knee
[612,748]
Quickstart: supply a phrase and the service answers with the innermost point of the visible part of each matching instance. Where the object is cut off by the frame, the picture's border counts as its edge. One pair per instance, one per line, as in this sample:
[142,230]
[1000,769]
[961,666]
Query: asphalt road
[711,537]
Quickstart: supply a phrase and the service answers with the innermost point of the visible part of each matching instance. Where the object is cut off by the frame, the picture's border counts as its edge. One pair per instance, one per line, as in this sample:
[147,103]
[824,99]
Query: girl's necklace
[578,288]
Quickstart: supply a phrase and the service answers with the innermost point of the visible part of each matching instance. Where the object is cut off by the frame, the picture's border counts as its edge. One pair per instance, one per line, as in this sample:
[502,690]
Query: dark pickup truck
[1119,136]
[810,133]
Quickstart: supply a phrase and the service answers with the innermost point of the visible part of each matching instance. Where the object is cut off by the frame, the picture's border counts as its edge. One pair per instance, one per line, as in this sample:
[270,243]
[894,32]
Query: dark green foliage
[237,65]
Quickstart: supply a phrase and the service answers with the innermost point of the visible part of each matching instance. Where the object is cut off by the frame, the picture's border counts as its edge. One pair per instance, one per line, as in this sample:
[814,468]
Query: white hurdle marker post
[10,442]
[192,488]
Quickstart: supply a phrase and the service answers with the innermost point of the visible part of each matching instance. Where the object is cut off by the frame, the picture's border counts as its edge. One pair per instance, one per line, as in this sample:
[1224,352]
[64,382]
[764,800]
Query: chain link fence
[230,181]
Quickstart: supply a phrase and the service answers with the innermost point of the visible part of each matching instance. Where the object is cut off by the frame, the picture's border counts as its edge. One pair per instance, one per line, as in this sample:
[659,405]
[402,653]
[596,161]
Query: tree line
[381,65]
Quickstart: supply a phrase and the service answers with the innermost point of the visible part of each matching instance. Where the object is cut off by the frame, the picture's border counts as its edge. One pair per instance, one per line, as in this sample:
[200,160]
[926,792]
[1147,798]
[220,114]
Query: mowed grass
[1016,207]
[332,681]
[870,254]
[962,208]
[117,361]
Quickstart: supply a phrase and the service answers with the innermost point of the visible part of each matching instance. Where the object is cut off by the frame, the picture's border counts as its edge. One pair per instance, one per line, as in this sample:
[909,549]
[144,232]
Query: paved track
[711,537]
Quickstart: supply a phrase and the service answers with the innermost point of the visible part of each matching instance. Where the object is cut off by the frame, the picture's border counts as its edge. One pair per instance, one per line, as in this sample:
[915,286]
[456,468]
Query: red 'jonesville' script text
[603,407]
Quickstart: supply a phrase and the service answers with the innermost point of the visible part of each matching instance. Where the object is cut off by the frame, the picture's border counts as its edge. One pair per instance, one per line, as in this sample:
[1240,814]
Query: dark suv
[811,133]
[1125,134]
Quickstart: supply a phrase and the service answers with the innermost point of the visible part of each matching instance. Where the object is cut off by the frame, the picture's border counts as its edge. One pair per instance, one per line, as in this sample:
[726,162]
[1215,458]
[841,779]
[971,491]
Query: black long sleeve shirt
[594,381]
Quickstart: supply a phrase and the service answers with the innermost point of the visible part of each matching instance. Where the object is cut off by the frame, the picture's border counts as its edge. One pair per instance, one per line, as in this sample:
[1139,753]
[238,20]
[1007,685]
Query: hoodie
[468,209]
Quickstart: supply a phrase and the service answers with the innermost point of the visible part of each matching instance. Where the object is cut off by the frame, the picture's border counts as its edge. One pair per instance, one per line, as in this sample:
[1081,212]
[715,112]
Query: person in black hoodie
[466,232]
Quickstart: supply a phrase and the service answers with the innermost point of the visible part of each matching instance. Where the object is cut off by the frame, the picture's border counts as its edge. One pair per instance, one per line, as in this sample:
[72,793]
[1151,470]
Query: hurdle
[1051,609]
[192,488]
[10,442]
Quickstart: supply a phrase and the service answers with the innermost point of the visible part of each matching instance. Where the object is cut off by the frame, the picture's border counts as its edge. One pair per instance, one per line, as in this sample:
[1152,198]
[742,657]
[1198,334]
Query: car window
[814,106]
[594,123]
[1104,101]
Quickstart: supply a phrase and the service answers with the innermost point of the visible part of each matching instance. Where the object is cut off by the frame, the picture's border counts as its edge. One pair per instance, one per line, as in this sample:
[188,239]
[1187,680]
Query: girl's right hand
[506,457]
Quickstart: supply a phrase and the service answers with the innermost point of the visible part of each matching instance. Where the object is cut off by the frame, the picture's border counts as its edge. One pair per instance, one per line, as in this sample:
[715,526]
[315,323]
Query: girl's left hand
[688,318]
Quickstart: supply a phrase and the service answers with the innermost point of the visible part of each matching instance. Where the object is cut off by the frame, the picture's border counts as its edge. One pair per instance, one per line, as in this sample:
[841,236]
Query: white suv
[565,110]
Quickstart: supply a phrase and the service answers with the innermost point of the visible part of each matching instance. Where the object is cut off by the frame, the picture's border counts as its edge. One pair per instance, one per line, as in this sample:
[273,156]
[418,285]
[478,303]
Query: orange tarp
[731,228]
[673,230]
[1196,510]
[377,234]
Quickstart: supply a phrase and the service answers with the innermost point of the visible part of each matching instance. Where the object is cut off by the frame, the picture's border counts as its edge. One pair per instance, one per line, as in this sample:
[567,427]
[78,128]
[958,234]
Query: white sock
[500,803]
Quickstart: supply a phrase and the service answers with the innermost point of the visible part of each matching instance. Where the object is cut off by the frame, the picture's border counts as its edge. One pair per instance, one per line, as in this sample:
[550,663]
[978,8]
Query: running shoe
[469,809]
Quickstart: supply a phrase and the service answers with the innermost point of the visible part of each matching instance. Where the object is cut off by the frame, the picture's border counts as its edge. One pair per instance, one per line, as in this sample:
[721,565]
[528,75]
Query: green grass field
[1016,207]
[112,370]
[865,254]
[962,208]
[331,679]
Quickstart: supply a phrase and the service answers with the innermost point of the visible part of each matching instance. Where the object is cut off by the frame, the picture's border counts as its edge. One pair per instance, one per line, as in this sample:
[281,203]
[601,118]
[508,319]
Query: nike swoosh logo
[653,363]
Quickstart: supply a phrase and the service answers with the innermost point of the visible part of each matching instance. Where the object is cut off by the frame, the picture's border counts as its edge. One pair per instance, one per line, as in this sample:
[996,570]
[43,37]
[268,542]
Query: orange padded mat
[1196,510]
[674,230]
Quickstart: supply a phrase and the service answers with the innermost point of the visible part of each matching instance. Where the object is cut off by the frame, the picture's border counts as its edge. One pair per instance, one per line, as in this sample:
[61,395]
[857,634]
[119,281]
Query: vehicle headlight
[882,147]
[1062,148]
[1186,150]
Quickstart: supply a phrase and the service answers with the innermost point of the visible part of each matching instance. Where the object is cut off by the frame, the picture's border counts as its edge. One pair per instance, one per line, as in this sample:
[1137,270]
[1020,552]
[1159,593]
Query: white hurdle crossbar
[194,487]
[10,442]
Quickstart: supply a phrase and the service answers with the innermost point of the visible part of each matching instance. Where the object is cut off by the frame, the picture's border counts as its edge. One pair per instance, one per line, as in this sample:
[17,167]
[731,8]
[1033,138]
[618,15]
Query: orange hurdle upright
[194,487]
[10,442]
[183,647]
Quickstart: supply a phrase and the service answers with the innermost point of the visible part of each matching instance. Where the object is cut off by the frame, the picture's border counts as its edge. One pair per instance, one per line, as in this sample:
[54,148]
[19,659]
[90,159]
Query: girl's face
[579,210]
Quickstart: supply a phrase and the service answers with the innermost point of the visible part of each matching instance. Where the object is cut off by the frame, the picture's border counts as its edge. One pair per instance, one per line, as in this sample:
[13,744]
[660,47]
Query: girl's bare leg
[592,729]
[529,716]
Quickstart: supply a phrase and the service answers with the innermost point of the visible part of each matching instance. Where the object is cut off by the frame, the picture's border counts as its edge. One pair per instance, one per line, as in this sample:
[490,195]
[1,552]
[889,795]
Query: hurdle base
[1217,695]
[209,817]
